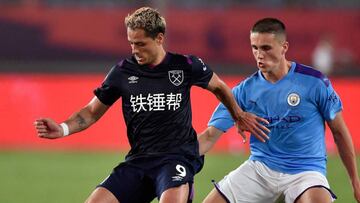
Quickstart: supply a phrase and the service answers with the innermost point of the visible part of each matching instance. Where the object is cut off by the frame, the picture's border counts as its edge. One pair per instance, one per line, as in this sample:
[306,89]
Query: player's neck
[159,58]
[279,72]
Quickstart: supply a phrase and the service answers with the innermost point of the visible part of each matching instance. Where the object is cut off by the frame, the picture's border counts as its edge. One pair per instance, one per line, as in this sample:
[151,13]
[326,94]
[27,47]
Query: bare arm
[93,111]
[208,138]
[346,150]
[244,121]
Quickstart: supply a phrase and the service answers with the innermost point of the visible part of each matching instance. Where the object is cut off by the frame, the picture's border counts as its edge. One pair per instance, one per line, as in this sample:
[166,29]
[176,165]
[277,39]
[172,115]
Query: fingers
[41,128]
[255,125]
[43,135]
[259,130]
[242,133]
[263,130]
[262,120]
[39,125]
[259,134]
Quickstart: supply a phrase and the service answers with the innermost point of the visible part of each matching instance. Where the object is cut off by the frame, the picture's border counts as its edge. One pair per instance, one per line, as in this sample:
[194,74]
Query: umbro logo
[181,173]
[133,79]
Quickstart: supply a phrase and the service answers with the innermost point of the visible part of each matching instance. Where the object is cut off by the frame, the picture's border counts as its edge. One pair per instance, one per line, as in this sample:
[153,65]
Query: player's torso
[156,106]
[291,108]
[297,126]
[164,88]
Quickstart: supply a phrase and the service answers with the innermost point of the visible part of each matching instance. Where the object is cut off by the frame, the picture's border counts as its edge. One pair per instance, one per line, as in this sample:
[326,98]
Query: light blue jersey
[296,107]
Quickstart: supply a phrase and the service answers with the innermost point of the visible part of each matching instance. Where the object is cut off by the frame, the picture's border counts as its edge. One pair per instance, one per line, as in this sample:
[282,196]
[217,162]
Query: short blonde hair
[148,19]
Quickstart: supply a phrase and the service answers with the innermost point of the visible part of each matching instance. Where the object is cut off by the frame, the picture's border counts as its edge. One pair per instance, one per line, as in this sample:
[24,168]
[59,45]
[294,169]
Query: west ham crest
[176,77]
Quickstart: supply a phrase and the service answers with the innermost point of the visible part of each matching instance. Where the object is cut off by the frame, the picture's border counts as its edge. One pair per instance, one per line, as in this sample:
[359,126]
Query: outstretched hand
[253,124]
[47,128]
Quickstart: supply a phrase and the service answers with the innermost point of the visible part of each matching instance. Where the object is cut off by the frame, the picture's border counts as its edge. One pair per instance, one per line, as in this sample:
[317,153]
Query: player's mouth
[139,59]
[260,64]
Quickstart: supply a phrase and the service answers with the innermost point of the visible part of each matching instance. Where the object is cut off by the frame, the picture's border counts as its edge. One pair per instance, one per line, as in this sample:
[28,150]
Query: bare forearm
[244,121]
[50,129]
[86,116]
[347,154]
[79,121]
[345,146]
[204,144]
[224,94]
[207,139]
[346,149]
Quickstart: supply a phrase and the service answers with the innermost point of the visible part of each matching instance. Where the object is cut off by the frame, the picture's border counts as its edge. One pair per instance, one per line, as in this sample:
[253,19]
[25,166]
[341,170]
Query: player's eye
[140,44]
[266,48]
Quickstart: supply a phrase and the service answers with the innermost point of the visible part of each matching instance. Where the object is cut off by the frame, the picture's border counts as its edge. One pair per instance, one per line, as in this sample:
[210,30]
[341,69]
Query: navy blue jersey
[156,103]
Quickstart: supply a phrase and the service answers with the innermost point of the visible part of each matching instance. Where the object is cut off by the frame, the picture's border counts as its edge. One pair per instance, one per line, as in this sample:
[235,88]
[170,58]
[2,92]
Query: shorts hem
[217,187]
[108,189]
[333,196]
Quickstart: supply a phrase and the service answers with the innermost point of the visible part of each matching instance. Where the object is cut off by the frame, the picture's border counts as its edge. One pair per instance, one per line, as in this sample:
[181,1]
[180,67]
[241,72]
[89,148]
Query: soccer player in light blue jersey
[296,100]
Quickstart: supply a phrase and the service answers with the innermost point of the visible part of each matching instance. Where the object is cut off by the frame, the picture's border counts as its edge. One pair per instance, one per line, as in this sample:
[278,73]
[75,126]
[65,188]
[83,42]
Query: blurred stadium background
[53,53]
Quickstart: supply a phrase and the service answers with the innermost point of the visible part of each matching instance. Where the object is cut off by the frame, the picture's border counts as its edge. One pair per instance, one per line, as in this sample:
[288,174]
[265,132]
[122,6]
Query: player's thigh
[251,182]
[215,197]
[178,194]
[128,184]
[306,185]
[315,195]
[101,195]
[173,176]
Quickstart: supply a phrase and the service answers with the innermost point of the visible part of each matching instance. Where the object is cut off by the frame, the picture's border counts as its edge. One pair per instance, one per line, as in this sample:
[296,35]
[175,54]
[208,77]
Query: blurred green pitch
[66,177]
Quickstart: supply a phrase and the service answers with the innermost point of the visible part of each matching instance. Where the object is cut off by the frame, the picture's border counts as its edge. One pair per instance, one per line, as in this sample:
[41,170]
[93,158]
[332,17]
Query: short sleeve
[108,92]
[221,118]
[329,101]
[201,73]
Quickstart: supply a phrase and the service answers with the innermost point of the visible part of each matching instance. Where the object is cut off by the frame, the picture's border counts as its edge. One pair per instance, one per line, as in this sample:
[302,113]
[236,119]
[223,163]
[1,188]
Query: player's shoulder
[183,58]
[248,80]
[126,63]
[311,74]
[187,62]
[118,68]
[130,61]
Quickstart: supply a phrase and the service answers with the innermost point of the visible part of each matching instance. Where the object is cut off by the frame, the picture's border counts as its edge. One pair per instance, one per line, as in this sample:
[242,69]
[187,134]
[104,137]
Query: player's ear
[159,38]
[285,48]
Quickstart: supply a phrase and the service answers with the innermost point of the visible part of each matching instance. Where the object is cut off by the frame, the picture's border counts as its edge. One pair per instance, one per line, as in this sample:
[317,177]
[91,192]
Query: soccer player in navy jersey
[297,101]
[155,90]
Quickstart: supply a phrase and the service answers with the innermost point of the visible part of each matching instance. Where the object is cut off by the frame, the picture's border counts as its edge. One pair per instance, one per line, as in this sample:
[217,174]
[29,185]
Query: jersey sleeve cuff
[221,124]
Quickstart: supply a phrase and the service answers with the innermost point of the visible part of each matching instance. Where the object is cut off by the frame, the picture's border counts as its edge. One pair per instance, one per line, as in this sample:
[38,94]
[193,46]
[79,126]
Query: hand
[356,188]
[252,123]
[47,128]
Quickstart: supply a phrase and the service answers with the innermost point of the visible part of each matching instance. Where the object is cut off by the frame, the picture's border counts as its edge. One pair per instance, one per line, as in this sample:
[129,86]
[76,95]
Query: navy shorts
[142,179]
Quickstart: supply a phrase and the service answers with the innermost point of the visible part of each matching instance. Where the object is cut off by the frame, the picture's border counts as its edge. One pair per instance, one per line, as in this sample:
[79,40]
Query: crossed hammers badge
[176,77]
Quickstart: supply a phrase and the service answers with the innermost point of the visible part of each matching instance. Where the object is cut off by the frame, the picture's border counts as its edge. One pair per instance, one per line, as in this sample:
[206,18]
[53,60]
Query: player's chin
[262,68]
[141,61]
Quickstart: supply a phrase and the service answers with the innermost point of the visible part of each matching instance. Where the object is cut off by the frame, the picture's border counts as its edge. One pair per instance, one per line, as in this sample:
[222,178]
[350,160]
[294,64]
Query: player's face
[145,49]
[268,50]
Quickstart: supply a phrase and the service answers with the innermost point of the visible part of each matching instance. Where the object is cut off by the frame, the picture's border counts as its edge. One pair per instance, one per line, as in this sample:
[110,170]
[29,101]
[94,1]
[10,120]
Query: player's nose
[134,51]
[259,55]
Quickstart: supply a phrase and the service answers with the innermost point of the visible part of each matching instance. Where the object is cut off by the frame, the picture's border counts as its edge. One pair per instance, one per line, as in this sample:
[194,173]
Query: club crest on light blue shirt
[293,99]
